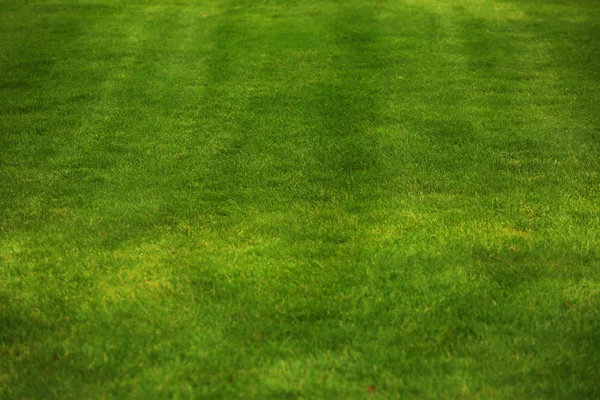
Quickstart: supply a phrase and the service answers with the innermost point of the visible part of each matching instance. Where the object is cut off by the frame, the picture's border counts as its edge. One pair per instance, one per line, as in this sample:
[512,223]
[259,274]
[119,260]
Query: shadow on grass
[282,141]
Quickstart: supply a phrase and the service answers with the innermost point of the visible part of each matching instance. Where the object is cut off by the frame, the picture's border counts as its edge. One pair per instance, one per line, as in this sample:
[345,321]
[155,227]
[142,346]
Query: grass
[299,199]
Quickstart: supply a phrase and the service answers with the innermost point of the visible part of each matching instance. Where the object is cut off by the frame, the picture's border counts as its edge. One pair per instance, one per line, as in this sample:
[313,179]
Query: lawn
[319,199]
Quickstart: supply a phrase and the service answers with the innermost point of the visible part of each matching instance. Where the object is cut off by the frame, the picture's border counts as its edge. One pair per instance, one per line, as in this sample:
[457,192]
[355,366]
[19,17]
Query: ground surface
[300,199]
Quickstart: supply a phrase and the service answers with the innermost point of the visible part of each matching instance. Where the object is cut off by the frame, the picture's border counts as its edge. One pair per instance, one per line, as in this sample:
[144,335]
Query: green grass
[299,199]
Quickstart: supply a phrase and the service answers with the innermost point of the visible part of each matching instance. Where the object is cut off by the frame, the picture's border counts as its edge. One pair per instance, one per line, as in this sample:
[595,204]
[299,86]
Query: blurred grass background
[299,199]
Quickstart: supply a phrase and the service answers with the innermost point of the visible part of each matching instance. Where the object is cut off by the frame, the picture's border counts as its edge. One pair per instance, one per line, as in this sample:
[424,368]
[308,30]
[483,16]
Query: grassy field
[299,199]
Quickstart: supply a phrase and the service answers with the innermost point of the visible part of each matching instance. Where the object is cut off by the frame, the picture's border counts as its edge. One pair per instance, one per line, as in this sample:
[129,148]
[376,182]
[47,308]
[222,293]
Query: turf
[299,199]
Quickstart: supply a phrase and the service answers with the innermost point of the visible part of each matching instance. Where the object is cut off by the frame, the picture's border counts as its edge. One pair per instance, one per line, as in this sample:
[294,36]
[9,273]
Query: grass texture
[312,199]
